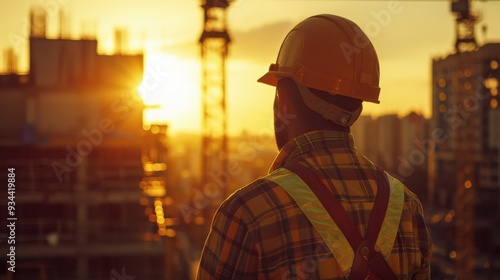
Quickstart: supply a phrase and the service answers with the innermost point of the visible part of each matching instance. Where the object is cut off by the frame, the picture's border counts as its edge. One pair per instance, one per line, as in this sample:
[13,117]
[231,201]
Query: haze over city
[406,35]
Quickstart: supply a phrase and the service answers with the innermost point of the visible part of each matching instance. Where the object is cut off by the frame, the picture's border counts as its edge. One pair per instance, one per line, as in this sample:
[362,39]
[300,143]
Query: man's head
[327,64]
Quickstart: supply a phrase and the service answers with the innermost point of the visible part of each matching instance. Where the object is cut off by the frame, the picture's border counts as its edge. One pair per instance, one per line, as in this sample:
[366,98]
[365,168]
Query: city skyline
[172,51]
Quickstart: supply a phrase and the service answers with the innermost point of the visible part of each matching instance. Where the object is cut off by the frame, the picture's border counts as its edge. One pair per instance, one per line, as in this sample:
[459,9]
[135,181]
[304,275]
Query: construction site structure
[465,138]
[464,168]
[72,129]
[214,42]
[465,25]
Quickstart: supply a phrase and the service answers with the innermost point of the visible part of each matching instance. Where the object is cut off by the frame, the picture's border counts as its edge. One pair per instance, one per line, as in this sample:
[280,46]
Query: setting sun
[170,90]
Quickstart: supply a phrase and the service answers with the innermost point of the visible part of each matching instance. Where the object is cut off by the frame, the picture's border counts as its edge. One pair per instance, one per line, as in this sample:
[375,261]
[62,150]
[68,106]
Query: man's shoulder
[254,200]
[410,198]
[253,190]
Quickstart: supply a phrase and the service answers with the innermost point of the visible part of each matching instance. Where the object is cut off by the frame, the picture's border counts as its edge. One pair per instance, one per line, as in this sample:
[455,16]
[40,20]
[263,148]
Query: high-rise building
[464,169]
[362,131]
[399,145]
[72,131]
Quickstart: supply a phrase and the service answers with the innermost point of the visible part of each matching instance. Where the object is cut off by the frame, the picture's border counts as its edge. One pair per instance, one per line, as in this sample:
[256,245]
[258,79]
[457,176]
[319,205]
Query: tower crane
[214,42]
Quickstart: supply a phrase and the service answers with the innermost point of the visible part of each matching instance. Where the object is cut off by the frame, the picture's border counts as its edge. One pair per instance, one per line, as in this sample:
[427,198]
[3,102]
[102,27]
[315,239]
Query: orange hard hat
[328,53]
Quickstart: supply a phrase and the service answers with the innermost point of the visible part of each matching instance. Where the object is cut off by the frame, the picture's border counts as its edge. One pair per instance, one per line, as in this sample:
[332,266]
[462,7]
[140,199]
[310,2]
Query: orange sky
[168,32]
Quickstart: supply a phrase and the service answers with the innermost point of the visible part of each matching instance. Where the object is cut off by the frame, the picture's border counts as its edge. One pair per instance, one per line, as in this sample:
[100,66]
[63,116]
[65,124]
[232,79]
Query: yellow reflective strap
[317,215]
[328,229]
[390,225]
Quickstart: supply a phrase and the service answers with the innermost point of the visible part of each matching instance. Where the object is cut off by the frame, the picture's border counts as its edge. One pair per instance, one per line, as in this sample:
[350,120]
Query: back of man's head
[313,119]
[333,65]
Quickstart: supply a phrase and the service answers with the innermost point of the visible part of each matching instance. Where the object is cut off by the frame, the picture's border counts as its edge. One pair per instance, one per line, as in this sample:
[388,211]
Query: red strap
[331,205]
[350,231]
[379,208]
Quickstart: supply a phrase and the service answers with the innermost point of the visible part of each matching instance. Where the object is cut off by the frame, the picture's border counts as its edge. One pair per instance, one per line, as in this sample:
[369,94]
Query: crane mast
[214,42]
[465,25]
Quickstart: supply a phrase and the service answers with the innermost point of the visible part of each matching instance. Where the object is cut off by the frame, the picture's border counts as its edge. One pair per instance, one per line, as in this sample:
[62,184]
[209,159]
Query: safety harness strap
[317,215]
[328,228]
[364,246]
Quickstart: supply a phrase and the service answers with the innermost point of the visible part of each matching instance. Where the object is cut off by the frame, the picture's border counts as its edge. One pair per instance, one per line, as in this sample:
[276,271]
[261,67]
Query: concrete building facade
[464,172]
[72,128]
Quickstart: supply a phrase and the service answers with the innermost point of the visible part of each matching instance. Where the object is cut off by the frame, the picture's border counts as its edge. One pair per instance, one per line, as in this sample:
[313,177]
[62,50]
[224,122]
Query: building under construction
[464,167]
[90,182]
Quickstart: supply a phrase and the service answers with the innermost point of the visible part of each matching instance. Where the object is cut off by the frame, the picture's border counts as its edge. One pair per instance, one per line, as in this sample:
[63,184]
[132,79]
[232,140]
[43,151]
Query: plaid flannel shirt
[259,232]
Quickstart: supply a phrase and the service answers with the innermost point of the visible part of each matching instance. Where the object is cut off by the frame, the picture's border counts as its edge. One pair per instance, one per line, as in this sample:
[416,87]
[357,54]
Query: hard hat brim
[268,79]
[271,77]
[364,92]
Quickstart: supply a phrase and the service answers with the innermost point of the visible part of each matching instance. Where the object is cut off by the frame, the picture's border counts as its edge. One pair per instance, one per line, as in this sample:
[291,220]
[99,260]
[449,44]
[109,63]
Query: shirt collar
[314,140]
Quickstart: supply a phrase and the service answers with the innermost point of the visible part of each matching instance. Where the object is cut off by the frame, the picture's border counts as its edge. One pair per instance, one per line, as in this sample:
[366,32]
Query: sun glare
[171,92]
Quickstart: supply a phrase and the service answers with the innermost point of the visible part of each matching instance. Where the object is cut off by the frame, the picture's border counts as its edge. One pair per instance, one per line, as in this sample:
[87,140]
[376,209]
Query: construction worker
[324,211]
